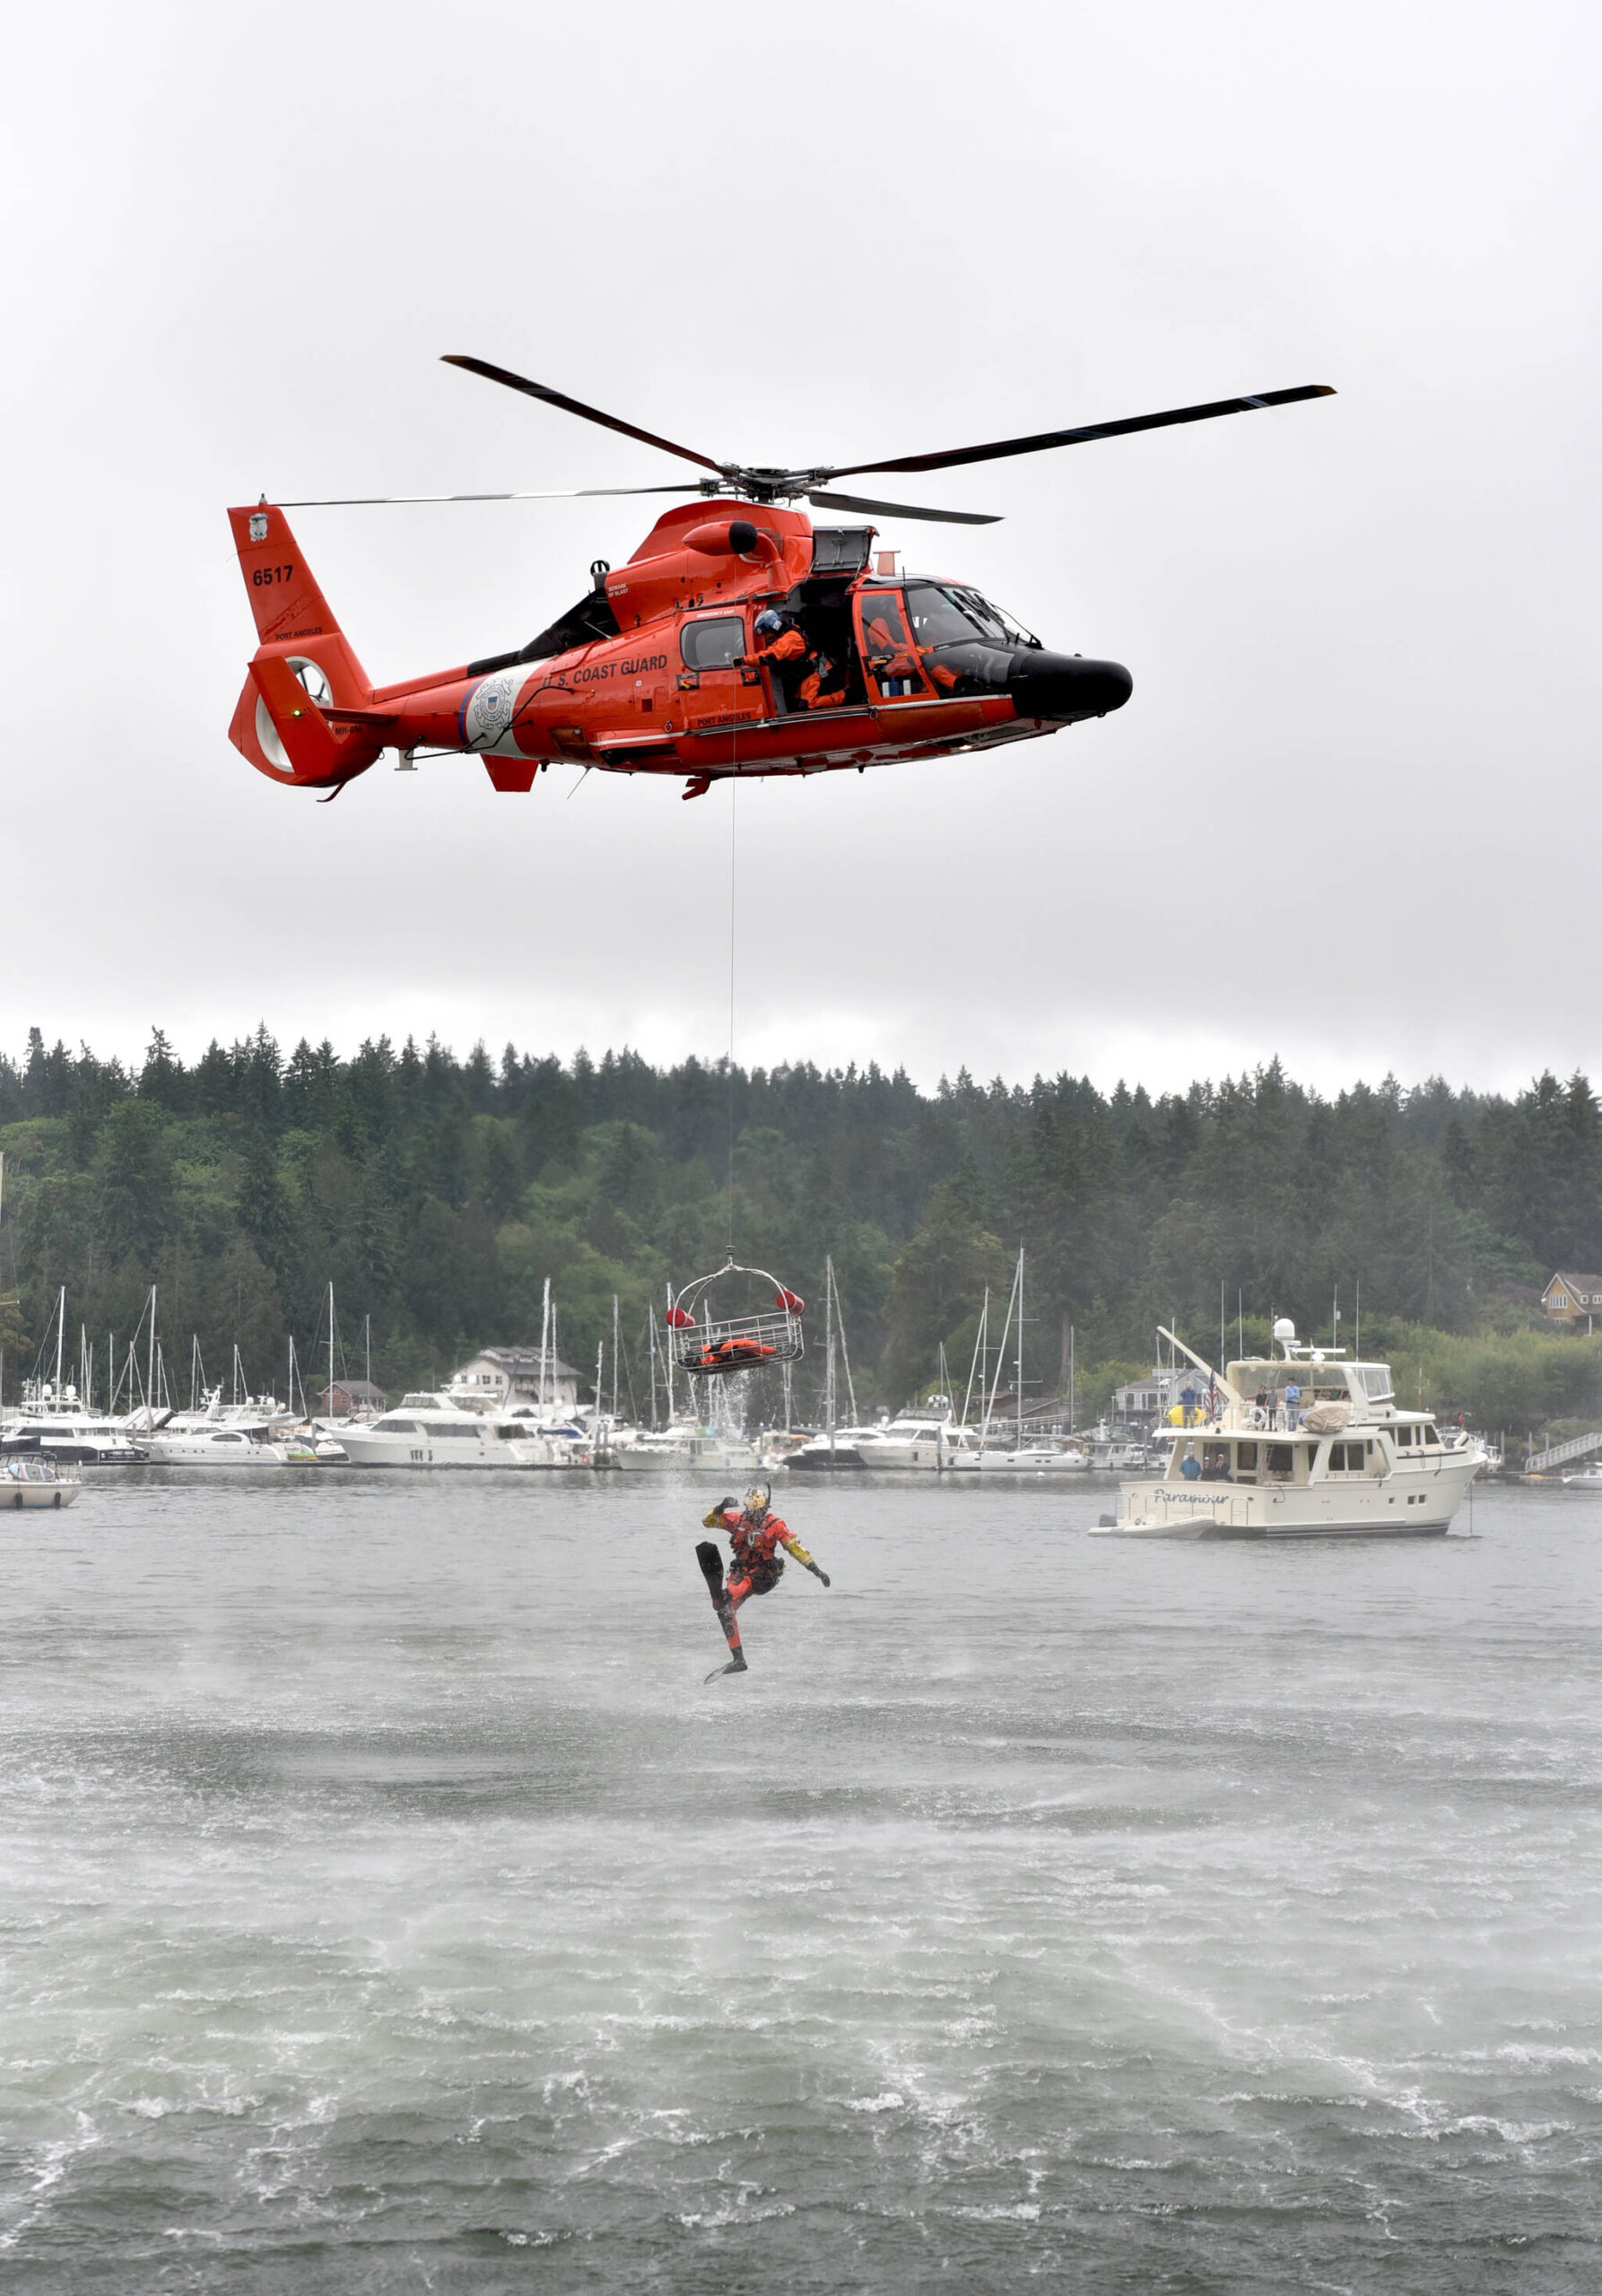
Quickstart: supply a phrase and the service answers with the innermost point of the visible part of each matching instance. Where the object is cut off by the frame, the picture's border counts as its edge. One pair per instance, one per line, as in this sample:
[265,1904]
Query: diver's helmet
[758,1498]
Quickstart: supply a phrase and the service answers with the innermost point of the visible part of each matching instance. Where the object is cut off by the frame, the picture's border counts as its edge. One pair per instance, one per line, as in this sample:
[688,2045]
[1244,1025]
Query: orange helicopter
[739,639]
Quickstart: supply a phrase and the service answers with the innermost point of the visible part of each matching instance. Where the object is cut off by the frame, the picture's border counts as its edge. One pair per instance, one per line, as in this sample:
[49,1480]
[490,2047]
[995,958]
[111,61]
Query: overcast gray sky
[1351,814]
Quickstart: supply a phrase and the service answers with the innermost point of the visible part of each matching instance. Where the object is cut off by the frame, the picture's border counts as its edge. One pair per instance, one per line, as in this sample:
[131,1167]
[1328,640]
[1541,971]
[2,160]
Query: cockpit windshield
[943,614]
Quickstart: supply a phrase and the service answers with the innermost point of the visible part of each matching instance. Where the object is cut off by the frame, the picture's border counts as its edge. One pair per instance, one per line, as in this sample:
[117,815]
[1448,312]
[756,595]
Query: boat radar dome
[1284,1331]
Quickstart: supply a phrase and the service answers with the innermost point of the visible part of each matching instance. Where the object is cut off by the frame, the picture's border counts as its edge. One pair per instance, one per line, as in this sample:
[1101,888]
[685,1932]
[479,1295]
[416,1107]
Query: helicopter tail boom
[303,665]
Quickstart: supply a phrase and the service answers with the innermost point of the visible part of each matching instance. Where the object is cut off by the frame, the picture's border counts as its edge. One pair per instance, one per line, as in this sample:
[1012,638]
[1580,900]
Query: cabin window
[714,644]
[1281,1459]
[1215,1462]
[1429,1435]
[1246,1457]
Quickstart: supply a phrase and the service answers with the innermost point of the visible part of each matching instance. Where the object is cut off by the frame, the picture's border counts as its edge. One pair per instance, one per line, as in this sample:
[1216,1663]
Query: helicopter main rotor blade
[1044,439]
[576,406]
[549,494]
[901,510]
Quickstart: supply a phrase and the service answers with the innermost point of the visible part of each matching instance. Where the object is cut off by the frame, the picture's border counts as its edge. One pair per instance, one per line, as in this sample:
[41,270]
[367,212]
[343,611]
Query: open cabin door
[890,661]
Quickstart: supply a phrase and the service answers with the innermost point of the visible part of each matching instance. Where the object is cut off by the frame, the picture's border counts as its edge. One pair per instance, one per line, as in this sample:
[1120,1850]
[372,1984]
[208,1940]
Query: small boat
[29,1479]
[1588,1477]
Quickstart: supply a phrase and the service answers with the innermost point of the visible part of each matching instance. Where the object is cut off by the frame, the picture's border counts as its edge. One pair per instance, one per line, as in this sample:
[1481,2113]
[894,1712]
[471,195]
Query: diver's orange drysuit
[756,1537]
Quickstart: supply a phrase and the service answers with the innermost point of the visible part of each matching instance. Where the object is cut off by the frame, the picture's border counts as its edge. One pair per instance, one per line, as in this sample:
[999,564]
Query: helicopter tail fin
[296,631]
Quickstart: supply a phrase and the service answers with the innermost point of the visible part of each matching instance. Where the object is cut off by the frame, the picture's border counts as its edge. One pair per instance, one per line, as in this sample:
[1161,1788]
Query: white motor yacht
[61,1431]
[1344,1461]
[428,1431]
[1036,1458]
[920,1445]
[223,1445]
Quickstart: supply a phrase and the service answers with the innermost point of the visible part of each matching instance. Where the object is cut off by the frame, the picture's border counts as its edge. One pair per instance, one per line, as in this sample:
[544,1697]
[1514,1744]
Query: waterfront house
[498,1378]
[1572,1300]
[352,1398]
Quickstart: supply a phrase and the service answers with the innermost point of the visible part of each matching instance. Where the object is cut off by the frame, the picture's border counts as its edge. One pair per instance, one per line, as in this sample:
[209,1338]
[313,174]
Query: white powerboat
[28,1479]
[1344,1461]
[685,1447]
[846,1447]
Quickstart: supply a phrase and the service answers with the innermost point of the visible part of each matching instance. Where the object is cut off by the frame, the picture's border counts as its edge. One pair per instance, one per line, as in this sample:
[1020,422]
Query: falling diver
[756,1534]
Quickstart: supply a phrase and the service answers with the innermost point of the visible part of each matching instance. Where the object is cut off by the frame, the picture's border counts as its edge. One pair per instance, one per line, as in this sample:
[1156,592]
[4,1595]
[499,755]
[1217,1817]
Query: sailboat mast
[615,1352]
[668,1361]
[1019,1414]
[829,1329]
[150,1388]
[60,1335]
[330,1347]
[544,1339]
[977,1362]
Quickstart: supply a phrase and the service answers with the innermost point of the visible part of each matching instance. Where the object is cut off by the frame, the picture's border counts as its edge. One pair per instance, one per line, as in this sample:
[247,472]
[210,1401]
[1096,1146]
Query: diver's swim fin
[712,1565]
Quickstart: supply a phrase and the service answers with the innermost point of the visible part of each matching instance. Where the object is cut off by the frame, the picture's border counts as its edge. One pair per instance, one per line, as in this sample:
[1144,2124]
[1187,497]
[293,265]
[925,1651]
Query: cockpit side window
[712,643]
[938,619]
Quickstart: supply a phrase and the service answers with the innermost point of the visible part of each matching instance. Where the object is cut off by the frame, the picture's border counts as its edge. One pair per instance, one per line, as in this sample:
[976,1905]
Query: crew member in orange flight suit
[895,665]
[779,643]
[756,1534]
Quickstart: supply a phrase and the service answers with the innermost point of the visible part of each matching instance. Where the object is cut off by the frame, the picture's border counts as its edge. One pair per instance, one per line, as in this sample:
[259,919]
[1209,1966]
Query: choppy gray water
[386,1904]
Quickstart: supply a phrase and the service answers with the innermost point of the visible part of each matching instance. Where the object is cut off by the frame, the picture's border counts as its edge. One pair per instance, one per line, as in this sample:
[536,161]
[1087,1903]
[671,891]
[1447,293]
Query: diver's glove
[818,1572]
[714,1521]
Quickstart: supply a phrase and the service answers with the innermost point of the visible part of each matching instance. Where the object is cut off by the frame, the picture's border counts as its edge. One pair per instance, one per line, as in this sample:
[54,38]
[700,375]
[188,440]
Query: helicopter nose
[1065,687]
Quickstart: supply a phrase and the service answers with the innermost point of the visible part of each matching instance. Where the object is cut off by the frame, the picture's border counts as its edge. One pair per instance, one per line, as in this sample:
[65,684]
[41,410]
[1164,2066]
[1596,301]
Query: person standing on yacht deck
[1293,1405]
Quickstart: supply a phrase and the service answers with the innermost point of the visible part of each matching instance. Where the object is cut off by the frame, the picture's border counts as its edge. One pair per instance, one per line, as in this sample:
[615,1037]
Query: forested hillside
[437,1193]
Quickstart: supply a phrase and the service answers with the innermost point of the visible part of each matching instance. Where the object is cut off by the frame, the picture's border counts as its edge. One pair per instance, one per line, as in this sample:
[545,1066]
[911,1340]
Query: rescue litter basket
[709,1345]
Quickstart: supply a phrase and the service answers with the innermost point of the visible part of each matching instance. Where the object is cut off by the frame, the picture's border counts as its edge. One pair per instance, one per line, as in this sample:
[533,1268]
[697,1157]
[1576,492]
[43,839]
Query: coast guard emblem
[259,526]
